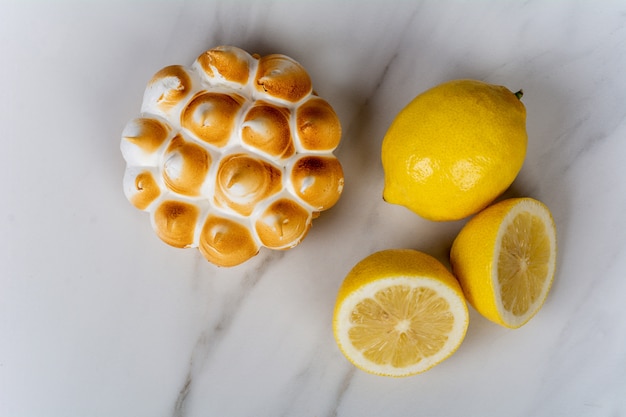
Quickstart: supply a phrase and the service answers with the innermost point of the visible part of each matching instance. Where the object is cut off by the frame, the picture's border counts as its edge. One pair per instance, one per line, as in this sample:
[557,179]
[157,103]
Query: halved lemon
[505,259]
[399,312]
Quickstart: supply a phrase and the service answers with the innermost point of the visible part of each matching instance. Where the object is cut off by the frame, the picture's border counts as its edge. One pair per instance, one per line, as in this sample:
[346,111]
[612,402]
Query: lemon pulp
[400,325]
[523,263]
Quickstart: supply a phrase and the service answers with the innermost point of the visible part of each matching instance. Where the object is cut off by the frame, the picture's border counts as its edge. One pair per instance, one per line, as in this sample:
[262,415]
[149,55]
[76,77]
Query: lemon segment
[505,260]
[398,313]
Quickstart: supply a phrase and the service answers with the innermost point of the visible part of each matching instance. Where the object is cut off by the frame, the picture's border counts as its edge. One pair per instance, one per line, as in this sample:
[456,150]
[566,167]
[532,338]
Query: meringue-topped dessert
[232,154]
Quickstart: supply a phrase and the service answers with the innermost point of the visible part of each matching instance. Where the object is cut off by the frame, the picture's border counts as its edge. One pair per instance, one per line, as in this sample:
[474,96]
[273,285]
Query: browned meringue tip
[226,242]
[211,117]
[185,166]
[283,224]
[266,128]
[226,63]
[282,77]
[242,181]
[167,88]
[175,222]
[318,180]
[141,187]
[318,125]
[146,133]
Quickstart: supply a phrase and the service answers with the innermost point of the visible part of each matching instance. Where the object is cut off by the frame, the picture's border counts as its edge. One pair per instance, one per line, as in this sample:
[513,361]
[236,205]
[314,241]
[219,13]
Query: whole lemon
[454,149]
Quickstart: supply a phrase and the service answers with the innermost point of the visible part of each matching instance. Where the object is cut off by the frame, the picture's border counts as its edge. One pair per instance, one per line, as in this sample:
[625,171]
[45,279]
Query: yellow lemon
[454,148]
[504,259]
[399,312]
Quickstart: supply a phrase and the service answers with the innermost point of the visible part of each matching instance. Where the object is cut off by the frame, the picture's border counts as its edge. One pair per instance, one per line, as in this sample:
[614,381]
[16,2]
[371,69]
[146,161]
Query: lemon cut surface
[399,312]
[505,260]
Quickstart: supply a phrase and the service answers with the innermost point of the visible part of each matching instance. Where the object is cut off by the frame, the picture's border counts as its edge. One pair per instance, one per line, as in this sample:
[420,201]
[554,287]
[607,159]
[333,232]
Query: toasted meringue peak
[185,166]
[232,154]
[318,180]
[167,89]
[146,133]
[283,224]
[211,117]
[244,181]
[266,128]
[175,222]
[226,242]
[226,63]
[318,125]
[282,77]
[141,187]
[142,138]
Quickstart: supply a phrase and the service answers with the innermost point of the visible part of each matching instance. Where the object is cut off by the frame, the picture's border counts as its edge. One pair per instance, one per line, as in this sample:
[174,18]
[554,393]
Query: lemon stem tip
[519,94]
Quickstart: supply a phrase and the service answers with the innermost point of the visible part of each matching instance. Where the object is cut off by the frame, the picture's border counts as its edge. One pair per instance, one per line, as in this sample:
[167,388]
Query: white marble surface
[98,317]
